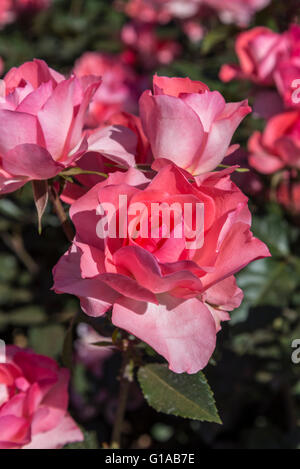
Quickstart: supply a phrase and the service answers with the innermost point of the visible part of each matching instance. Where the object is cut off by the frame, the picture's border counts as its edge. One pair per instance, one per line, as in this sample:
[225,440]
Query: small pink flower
[33,403]
[188,124]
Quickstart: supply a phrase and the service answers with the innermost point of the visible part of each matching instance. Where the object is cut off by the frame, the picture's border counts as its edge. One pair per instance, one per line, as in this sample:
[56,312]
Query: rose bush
[169,296]
[33,403]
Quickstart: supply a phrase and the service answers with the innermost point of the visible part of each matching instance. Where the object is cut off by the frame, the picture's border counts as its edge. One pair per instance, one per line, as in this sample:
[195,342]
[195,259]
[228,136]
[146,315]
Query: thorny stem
[59,210]
[122,401]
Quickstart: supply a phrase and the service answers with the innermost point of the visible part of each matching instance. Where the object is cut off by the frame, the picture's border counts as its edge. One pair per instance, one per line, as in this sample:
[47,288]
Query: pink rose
[258,51]
[162,11]
[33,403]
[188,124]
[41,117]
[288,194]
[239,12]
[119,88]
[168,293]
[278,146]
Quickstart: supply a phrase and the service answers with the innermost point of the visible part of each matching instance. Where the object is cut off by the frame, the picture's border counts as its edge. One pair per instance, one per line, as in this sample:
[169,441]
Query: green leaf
[183,395]
[102,343]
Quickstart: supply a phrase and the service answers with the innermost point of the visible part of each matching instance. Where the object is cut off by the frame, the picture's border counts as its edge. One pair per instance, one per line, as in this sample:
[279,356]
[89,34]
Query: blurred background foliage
[256,385]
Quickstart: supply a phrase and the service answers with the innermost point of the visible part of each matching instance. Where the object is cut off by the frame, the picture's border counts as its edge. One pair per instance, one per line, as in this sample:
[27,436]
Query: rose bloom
[42,116]
[33,403]
[188,124]
[118,91]
[258,51]
[239,12]
[278,146]
[170,294]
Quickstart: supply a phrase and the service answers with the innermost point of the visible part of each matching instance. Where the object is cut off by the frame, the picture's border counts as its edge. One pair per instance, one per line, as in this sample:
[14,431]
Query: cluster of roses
[140,34]
[272,60]
[171,297]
